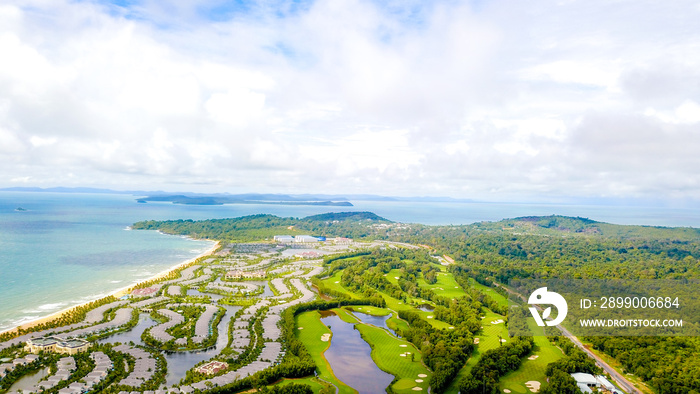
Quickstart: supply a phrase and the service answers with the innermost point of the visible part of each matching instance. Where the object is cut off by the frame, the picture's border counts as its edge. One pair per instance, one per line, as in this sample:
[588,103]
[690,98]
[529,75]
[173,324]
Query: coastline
[116,293]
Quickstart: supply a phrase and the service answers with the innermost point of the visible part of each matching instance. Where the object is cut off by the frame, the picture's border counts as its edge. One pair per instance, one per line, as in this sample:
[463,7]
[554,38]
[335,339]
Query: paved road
[621,381]
[625,384]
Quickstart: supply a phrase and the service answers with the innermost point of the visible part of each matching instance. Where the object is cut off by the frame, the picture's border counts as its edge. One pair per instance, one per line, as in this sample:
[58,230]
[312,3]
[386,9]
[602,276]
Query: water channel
[28,381]
[350,357]
[178,362]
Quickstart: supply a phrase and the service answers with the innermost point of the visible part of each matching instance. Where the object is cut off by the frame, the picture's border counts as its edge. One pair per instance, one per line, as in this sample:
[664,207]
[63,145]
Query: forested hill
[564,225]
[261,227]
[367,225]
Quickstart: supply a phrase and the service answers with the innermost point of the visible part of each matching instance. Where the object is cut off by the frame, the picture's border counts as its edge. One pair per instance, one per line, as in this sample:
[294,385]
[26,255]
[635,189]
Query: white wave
[50,307]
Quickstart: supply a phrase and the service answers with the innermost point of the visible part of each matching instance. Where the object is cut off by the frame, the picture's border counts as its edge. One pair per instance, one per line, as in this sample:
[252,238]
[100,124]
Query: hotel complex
[57,345]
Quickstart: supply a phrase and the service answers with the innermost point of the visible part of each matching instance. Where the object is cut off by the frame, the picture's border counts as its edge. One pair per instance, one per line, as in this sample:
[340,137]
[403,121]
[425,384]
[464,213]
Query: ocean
[67,249]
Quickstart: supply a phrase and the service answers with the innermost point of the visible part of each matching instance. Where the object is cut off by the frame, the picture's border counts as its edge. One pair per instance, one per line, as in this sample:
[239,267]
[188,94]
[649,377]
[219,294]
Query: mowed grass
[317,385]
[532,369]
[491,292]
[386,353]
[310,335]
[333,283]
[488,339]
[446,286]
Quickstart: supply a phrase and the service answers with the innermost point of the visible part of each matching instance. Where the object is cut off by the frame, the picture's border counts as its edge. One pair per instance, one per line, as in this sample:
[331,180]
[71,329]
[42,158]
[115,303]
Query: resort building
[304,239]
[144,292]
[285,239]
[57,345]
[212,367]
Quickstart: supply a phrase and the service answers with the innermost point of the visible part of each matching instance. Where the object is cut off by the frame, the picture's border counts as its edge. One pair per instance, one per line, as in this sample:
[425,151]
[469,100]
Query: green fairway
[393,276]
[317,385]
[488,339]
[309,331]
[490,291]
[446,286]
[333,283]
[370,310]
[387,351]
[532,370]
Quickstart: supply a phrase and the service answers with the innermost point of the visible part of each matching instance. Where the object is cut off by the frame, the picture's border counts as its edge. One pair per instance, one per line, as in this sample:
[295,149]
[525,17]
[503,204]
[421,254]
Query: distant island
[240,199]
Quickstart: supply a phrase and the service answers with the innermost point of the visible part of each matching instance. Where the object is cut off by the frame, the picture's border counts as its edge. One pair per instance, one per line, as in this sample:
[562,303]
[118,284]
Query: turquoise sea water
[67,249]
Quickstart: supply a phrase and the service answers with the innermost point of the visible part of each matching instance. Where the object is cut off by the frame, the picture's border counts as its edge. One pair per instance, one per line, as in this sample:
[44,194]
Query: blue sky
[492,100]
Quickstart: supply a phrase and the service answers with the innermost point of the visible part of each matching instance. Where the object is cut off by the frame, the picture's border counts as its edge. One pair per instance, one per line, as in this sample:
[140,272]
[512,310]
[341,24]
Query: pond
[377,321]
[28,381]
[350,358]
[426,307]
[197,293]
[178,362]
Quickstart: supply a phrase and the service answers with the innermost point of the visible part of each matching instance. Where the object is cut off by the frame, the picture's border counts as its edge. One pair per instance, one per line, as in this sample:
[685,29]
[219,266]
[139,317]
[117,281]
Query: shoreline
[120,292]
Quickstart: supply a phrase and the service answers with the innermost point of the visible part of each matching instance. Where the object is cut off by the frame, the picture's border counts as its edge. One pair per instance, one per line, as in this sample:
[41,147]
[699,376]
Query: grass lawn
[393,276]
[333,283]
[532,369]
[310,334]
[446,286]
[488,339]
[386,353]
[398,305]
[317,385]
[491,292]
[370,310]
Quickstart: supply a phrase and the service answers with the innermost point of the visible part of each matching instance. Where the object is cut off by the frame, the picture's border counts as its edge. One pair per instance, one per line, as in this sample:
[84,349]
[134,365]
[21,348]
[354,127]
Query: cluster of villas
[587,382]
[240,274]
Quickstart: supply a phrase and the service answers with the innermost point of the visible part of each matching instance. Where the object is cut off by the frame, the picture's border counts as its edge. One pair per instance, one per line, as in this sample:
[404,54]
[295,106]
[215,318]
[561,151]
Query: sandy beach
[117,293]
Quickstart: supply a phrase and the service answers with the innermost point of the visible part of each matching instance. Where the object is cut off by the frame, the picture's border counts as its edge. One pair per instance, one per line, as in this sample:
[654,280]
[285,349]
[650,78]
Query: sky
[489,100]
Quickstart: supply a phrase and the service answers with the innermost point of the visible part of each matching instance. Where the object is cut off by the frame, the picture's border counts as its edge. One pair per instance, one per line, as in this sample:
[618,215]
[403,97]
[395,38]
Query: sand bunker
[337,281]
[533,357]
[402,354]
[422,375]
[506,391]
[419,380]
[497,321]
[476,341]
[326,337]
[417,388]
[301,328]
[396,277]
[503,340]
[451,327]
[533,385]
[403,345]
[429,317]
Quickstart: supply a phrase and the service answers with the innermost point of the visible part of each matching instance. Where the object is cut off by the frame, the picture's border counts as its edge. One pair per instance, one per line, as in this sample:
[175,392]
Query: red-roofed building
[144,292]
[212,367]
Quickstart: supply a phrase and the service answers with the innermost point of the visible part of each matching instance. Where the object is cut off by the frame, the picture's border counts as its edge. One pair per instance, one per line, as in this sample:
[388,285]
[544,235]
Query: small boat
[20,209]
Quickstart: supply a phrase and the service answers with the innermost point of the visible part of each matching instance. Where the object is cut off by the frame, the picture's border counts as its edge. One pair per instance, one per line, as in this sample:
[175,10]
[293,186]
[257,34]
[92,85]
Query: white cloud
[568,98]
